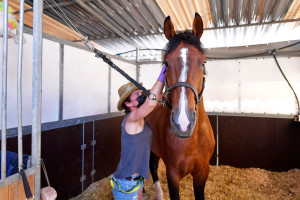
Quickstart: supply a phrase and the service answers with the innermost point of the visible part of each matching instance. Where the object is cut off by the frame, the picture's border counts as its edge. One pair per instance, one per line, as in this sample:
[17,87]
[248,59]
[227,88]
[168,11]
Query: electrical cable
[274,56]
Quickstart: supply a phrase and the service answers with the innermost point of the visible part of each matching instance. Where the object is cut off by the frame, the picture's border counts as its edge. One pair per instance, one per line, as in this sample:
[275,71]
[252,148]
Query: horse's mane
[185,37]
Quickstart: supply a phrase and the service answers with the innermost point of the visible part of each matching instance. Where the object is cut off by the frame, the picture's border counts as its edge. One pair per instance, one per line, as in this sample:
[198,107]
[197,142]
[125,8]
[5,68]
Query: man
[127,181]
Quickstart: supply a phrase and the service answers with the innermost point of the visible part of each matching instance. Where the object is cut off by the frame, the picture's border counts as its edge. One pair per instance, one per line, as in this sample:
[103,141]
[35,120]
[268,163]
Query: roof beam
[106,23]
[213,28]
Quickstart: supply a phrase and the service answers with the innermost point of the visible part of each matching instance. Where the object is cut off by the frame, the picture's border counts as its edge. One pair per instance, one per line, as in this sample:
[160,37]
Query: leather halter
[183,84]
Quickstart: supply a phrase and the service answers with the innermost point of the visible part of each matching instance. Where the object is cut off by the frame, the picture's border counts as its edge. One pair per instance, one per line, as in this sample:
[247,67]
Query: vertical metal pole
[109,89]
[61,82]
[19,86]
[83,147]
[37,93]
[4,91]
[240,91]
[137,65]
[217,140]
[93,143]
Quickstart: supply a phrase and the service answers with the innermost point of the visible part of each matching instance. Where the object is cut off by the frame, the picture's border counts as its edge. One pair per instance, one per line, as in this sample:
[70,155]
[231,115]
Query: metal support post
[217,141]
[83,147]
[109,89]
[4,91]
[137,65]
[19,86]
[61,82]
[37,93]
[93,143]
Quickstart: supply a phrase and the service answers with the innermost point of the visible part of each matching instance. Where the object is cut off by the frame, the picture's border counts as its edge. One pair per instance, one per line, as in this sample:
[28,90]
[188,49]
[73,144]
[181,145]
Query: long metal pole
[61,82]
[137,64]
[19,86]
[217,141]
[4,91]
[93,143]
[109,89]
[37,93]
[83,147]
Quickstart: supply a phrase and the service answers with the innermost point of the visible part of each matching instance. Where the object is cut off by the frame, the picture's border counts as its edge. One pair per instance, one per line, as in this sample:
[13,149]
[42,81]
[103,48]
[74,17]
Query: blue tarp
[12,163]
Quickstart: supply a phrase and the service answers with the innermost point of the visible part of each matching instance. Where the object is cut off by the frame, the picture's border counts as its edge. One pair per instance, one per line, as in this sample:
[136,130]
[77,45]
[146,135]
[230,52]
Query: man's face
[133,97]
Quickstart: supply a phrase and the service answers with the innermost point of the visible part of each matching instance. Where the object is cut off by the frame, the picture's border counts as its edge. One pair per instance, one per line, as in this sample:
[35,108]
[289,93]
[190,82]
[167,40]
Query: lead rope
[26,186]
[99,54]
[45,172]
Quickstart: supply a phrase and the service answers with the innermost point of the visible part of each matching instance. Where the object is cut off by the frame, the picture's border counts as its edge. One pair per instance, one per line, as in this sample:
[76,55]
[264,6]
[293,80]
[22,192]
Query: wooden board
[4,193]
[15,191]
[50,26]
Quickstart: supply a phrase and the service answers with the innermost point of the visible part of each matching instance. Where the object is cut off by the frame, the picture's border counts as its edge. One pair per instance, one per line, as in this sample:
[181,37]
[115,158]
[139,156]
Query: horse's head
[184,59]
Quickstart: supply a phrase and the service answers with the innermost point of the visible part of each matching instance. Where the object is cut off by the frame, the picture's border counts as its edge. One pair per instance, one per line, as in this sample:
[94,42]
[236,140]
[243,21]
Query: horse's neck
[200,109]
[202,117]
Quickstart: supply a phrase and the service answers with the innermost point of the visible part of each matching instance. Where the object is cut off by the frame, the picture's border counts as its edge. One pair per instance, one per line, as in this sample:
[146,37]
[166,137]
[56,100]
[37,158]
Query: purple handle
[162,74]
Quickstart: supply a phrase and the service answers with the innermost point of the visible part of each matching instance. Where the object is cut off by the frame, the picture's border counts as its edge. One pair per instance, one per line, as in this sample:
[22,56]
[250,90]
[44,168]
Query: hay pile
[224,182]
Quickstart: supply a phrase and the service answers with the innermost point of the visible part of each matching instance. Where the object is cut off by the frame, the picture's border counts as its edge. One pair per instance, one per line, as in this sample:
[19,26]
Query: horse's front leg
[199,180]
[173,183]
[153,170]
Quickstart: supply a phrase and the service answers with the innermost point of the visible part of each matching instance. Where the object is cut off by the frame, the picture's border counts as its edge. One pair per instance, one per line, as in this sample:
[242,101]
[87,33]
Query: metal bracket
[272,51]
[82,178]
[93,143]
[83,146]
[93,172]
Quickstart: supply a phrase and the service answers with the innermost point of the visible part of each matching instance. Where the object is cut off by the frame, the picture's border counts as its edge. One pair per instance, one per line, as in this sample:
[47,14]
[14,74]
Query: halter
[182,84]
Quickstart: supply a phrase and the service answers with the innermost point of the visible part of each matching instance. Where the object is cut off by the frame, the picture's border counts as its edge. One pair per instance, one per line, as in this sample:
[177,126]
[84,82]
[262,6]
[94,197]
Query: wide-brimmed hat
[124,92]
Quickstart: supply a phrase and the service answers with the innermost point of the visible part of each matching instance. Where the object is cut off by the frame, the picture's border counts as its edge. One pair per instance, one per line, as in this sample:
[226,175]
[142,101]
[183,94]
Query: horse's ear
[169,28]
[197,26]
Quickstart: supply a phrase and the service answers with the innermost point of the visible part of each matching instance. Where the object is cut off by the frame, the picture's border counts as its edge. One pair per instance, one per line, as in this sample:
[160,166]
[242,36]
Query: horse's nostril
[174,121]
[172,118]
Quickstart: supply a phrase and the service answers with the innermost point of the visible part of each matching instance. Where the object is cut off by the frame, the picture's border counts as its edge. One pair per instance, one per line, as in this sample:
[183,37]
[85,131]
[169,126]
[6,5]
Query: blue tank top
[135,152]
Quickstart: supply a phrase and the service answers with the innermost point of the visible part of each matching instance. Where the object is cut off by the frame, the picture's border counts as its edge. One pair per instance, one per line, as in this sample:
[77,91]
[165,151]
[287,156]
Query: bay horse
[182,135]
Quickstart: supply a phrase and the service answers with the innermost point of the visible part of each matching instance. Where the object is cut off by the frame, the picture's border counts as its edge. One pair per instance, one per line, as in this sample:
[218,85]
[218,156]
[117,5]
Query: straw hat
[124,92]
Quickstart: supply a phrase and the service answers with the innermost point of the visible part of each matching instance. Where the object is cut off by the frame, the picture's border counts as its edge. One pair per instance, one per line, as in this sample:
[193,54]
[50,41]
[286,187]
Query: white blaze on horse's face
[183,119]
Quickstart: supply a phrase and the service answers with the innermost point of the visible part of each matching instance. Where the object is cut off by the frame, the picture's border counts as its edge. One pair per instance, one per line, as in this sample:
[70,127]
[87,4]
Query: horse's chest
[183,147]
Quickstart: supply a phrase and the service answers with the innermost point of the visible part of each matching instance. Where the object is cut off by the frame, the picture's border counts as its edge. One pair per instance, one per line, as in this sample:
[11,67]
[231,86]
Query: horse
[182,135]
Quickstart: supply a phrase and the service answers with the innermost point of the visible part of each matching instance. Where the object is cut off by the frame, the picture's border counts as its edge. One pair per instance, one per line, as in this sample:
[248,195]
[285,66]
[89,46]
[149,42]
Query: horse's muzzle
[183,128]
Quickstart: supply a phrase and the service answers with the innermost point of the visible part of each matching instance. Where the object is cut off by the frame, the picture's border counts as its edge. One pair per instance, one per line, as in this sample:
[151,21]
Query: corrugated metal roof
[121,26]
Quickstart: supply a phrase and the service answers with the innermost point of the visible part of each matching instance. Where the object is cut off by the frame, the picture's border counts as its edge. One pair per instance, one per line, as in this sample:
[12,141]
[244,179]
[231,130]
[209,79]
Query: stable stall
[59,101]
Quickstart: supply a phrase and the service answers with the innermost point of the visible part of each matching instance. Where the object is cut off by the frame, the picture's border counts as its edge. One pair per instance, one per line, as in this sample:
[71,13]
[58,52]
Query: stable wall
[267,143]
[85,82]
[253,85]
[90,86]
